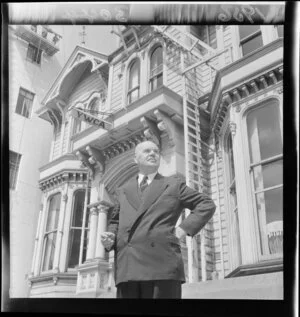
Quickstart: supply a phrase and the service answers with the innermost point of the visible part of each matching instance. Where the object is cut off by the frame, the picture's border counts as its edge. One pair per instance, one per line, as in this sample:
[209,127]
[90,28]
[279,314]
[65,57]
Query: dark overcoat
[146,247]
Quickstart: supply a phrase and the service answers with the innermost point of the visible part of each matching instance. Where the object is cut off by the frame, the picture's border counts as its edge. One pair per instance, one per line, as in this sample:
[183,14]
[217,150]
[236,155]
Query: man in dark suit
[142,231]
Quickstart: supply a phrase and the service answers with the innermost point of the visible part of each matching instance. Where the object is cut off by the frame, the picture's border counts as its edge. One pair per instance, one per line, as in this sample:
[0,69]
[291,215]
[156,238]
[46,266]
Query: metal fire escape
[194,54]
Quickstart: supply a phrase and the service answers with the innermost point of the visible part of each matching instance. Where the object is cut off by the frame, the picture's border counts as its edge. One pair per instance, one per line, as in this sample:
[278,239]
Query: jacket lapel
[151,194]
[131,192]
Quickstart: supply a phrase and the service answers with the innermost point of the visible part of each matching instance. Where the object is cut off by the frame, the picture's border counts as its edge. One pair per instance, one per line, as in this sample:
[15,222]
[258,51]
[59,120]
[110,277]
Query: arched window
[156,68]
[266,168]
[51,232]
[76,230]
[133,82]
[232,204]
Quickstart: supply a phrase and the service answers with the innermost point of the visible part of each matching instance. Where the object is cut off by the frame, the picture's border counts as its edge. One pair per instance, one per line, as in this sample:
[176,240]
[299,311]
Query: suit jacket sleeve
[201,206]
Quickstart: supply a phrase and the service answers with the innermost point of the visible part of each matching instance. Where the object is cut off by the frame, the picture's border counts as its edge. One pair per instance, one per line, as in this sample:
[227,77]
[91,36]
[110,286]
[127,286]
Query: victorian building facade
[33,63]
[211,97]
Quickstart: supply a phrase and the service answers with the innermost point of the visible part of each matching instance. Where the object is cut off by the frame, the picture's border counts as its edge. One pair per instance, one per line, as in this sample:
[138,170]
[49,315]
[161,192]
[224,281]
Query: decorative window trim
[247,165]
[161,66]
[59,192]
[27,96]
[70,227]
[138,87]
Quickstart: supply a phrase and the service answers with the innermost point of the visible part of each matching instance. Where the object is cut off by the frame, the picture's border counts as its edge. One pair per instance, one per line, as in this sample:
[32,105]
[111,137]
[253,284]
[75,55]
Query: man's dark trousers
[150,289]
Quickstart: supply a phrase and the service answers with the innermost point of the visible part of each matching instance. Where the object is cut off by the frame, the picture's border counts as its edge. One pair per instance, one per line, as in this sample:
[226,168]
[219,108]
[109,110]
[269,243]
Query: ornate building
[211,96]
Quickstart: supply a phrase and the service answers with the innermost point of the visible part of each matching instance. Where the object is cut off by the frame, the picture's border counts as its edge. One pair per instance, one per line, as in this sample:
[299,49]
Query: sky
[98,38]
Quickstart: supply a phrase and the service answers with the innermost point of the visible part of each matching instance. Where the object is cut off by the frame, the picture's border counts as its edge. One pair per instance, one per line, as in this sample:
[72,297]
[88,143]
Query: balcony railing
[40,36]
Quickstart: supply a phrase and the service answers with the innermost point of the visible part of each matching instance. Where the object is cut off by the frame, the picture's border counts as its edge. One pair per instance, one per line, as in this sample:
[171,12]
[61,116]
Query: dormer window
[133,82]
[34,54]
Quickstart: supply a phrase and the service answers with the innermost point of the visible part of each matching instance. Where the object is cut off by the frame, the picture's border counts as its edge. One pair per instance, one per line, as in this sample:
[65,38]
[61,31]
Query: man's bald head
[147,156]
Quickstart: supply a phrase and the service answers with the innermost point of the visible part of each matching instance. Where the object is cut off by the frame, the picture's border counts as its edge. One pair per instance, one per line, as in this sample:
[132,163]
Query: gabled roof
[80,59]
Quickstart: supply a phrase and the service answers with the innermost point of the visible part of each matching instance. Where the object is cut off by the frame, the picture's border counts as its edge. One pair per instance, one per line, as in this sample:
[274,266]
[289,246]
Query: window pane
[75,236]
[270,215]
[134,75]
[14,163]
[268,175]
[53,213]
[264,132]
[24,103]
[252,45]
[134,95]
[156,58]
[280,30]
[230,158]
[246,30]
[78,209]
[49,249]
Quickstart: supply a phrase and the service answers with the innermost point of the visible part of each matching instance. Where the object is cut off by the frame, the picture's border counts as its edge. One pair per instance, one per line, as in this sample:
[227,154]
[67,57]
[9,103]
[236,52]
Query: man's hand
[180,233]
[107,239]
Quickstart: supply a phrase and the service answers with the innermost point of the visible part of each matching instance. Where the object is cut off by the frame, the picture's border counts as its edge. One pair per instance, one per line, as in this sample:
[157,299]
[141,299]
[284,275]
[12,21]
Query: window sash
[14,164]
[24,103]
[34,54]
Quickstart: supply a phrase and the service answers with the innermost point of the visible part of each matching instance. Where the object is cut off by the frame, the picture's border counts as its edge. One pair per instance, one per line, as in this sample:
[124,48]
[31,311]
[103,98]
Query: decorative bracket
[151,131]
[96,156]
[85,161]
[163,126]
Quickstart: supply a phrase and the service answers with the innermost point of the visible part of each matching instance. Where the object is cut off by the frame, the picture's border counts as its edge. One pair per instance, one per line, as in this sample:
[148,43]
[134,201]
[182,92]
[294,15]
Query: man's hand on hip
[180,233]
[107,239]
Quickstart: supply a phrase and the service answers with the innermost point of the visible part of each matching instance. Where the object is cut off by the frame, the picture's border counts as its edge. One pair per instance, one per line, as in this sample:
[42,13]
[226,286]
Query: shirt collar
[150,177]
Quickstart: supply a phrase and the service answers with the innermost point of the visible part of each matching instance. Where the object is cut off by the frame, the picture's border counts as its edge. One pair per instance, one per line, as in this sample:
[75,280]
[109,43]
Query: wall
[30,137]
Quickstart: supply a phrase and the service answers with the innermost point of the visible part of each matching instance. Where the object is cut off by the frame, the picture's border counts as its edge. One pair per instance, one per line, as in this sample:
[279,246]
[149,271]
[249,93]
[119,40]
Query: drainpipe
[219,207]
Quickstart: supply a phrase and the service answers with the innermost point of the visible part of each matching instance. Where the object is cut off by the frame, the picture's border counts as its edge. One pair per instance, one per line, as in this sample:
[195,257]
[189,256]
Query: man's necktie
[144,183]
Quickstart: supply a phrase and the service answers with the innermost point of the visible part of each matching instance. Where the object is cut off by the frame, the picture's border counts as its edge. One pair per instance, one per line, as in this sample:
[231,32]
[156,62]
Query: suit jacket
[146,247]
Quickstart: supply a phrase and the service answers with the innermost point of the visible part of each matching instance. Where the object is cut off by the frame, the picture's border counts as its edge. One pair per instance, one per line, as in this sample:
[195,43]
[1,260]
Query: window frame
[235,252]
[24,94]
[16,171]
[47,233]
[160,67]
[36,53]
[248,38]
[137,87]
[249,168]
[86,230]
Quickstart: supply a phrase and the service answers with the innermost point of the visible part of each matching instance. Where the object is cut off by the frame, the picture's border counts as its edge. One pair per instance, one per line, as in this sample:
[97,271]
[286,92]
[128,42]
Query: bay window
[264,128]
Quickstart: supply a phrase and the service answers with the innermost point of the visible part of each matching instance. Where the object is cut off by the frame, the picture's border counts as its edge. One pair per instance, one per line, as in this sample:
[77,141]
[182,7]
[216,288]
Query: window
[156,68]
[14,163]
[250,38]
[232,205]
[76,230]
[77,126]
[266,168]
[134,82]
[34,54]
[280,30]
[24,103]
[51,232]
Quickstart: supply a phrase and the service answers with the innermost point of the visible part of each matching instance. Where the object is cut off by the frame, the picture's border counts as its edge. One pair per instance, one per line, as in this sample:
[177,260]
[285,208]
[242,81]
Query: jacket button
[152,244]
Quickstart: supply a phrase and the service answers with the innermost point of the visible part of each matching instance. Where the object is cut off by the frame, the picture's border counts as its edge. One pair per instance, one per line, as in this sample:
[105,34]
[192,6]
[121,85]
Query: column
[102,221]
[93,233]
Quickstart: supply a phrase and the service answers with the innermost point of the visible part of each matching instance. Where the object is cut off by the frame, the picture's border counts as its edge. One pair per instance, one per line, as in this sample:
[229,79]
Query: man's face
[147,156]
